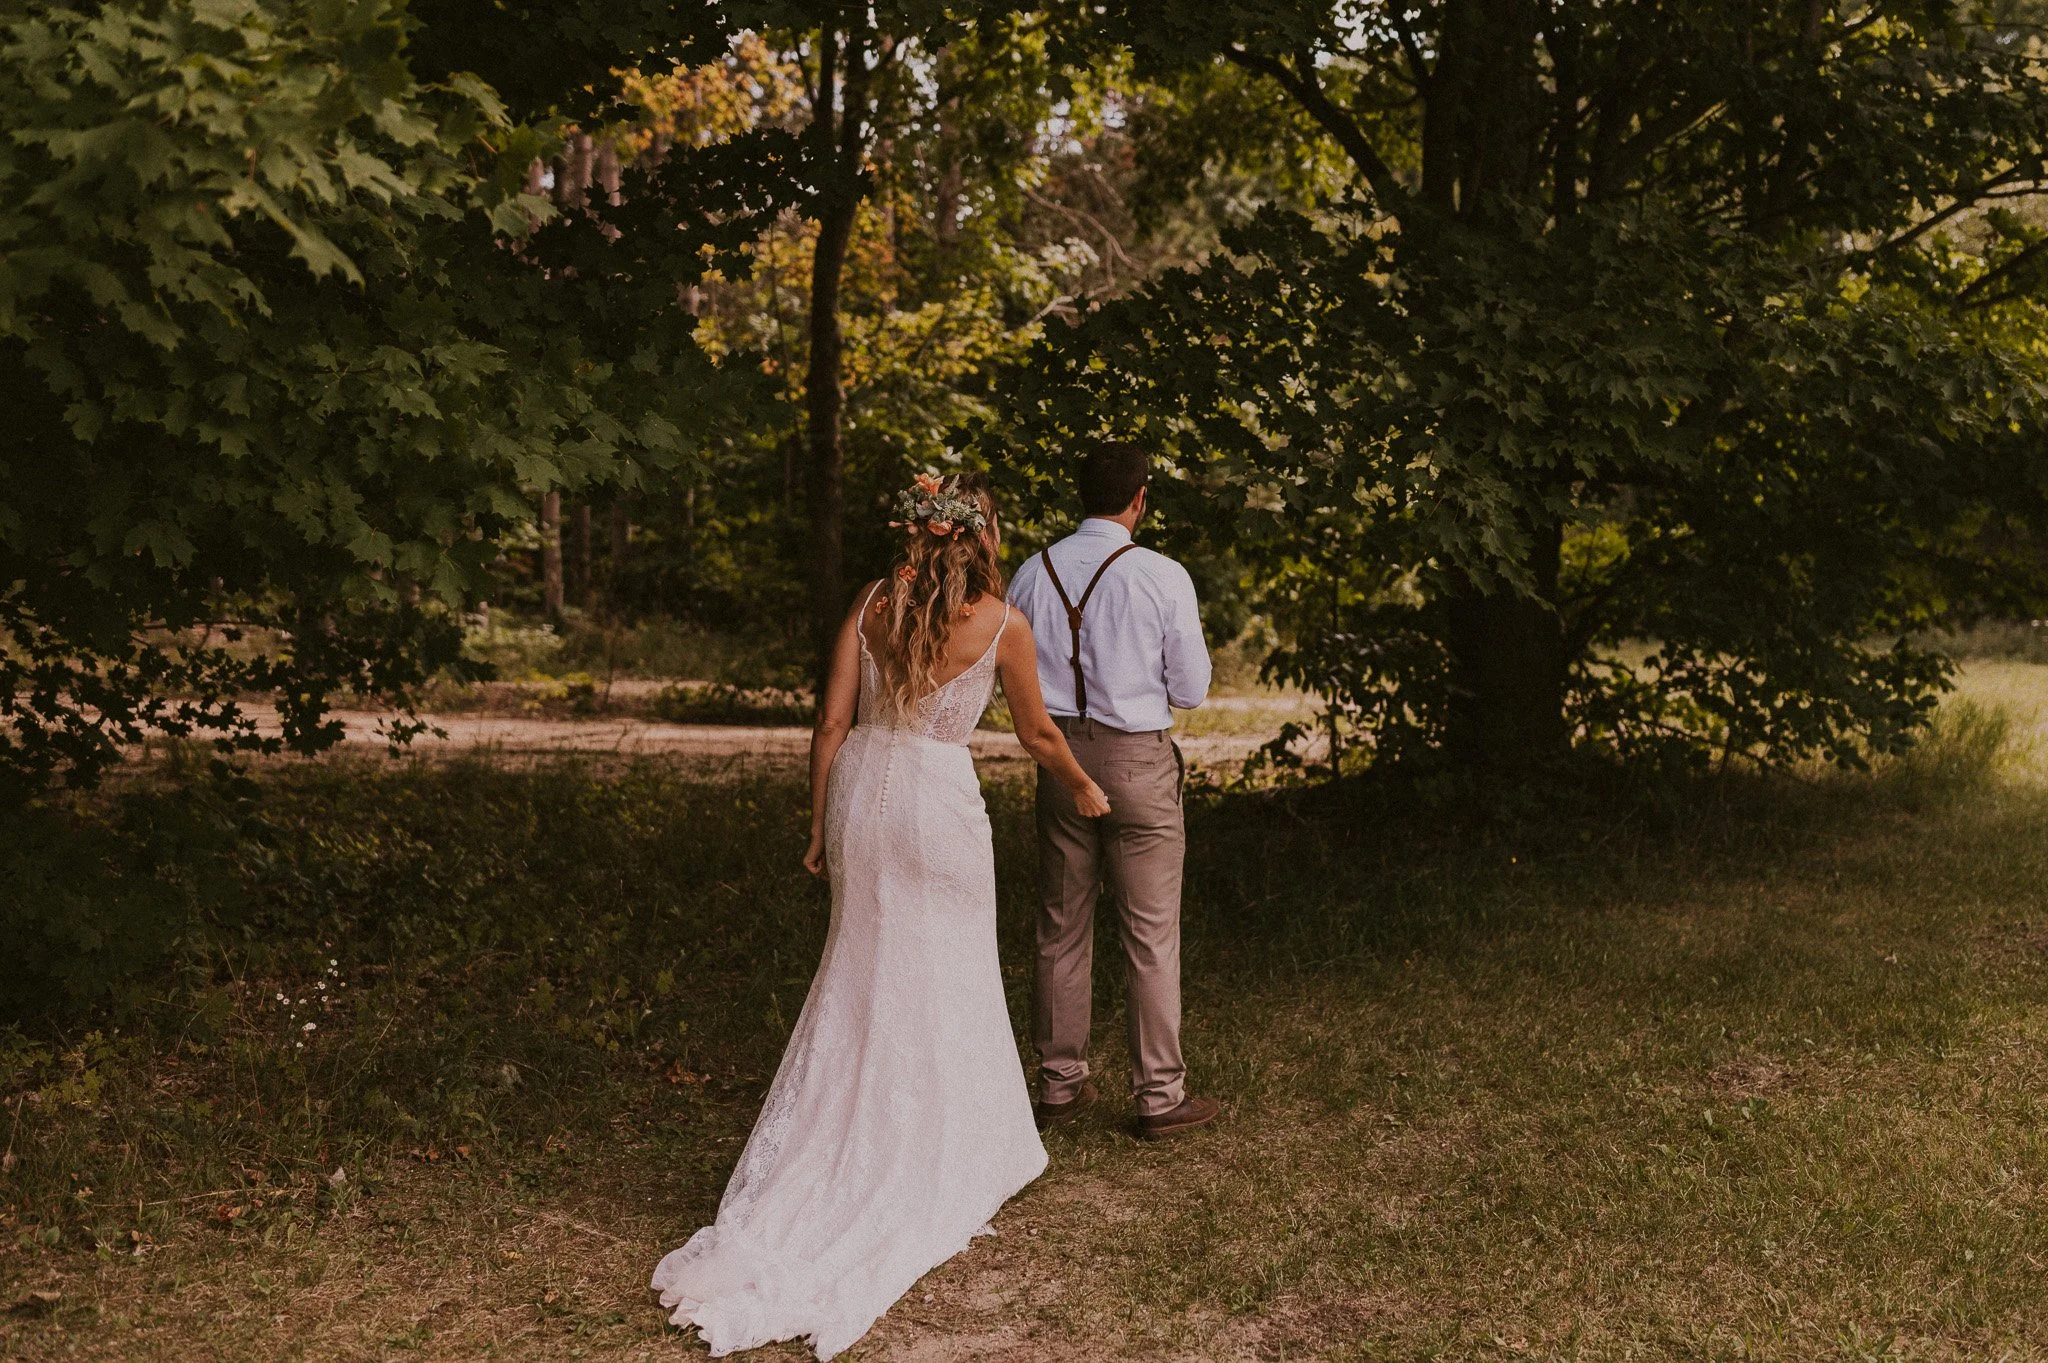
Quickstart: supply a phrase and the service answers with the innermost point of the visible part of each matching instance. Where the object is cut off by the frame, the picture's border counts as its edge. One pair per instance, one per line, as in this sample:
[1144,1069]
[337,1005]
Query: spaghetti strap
[860,617]
[990,650]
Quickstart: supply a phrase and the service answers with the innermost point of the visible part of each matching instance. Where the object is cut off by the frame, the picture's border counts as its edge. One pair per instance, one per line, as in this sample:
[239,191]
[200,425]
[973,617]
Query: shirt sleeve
[1023,583]
[1187,655]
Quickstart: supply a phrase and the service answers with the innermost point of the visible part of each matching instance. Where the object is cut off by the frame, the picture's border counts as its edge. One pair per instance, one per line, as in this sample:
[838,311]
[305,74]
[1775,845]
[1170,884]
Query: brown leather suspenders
[1074,616]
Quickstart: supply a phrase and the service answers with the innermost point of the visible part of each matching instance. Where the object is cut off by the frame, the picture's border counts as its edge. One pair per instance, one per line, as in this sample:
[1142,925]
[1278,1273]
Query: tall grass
[2018,641]
[1964,752]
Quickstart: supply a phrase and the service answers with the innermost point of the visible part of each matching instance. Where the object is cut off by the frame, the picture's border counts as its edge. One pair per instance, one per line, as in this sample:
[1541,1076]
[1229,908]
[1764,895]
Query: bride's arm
[835,719]
[1018,660]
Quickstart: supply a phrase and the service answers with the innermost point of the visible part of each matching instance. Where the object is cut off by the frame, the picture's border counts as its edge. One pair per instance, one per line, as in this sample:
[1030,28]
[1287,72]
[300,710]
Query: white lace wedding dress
[898,1122]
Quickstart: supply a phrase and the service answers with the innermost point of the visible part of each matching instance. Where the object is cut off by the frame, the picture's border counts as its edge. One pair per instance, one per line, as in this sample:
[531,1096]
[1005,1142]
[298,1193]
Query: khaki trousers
[1138,848]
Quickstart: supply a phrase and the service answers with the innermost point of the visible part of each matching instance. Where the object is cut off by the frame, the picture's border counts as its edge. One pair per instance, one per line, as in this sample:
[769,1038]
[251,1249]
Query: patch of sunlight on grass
[2020,689]
[1969,745]
[2019,693]
[1251,714]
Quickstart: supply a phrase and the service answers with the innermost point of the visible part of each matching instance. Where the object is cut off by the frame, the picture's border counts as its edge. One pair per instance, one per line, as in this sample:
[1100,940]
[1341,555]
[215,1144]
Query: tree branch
[2004,269]
[1308,92]
[1416,65]
[825,101]
[1113,248]
[1964,202]
[813,84]
[1564,124]
[1607,112]
[1657,132]
[853,114]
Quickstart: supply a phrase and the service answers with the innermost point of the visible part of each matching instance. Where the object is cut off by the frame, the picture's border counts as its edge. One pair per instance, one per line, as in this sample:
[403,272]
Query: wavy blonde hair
[936,575]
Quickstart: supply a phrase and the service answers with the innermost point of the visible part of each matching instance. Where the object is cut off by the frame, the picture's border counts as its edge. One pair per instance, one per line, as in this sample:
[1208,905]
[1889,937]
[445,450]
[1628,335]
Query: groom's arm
[1186,654]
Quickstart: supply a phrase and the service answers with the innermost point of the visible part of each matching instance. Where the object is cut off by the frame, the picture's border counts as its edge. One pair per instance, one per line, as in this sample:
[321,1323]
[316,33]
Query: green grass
[1995,640]
[594,646]
[1731,1069]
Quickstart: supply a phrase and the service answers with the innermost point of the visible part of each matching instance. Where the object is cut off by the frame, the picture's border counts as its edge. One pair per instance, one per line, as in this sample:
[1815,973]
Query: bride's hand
[1091,802]
[814,855]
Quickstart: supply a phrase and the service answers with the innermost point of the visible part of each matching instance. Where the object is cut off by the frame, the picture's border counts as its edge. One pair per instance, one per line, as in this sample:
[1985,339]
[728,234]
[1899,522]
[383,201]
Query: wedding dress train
[898,1121]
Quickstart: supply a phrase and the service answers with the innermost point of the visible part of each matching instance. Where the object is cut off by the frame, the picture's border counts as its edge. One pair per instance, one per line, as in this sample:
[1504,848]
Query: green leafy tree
[291,357]
[929,105]
[880,305]
[1684,324]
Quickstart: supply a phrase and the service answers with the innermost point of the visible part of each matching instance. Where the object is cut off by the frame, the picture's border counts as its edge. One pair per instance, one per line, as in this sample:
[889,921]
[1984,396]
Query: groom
[1119,642]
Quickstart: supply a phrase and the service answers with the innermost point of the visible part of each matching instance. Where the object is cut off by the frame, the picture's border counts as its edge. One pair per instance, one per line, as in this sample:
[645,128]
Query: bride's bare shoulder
[1000,613]
[1015,624]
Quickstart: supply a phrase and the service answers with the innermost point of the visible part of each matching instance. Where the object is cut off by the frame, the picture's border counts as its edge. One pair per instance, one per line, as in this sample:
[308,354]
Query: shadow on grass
[517,970]
[1383,864]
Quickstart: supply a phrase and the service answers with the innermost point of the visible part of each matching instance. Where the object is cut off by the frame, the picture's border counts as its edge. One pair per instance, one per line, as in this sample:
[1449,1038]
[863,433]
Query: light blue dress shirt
[1141,633]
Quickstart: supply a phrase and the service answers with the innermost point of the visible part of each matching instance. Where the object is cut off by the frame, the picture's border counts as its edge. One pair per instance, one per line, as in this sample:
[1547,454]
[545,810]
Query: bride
[898,1121]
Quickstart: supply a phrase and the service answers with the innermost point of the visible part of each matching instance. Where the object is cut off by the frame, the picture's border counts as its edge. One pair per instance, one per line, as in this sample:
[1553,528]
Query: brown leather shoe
[1048,1113]
[1193,1113]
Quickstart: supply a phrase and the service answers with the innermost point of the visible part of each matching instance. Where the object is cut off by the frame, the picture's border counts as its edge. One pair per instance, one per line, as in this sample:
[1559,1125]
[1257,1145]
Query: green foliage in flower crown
[280,361]
[933,501]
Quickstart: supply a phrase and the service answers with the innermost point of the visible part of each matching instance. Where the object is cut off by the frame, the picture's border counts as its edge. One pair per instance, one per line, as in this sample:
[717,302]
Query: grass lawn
[1738,1069]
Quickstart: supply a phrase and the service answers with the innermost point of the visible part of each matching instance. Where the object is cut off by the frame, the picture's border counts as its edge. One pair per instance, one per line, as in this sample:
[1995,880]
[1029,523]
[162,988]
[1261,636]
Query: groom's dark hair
[1110,475]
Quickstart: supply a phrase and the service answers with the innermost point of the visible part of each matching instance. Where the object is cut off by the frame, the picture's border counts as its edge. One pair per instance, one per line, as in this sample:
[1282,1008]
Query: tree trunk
[580,551]
[551,555]
[1485,121]
[946,200]
[840,137]
[1508,669]
[621,534]
[826,489]
[572,178]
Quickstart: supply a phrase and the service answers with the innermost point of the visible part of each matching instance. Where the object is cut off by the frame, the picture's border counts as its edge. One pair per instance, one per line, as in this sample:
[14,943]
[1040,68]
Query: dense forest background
[1659,380]
[1613,430]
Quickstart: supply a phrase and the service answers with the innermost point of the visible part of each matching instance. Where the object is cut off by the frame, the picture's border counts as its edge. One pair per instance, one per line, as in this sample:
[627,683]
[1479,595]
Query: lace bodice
[947,715]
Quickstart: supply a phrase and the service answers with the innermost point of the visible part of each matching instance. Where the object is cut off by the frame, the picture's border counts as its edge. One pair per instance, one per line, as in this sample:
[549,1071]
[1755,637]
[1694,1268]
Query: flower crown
[929,504]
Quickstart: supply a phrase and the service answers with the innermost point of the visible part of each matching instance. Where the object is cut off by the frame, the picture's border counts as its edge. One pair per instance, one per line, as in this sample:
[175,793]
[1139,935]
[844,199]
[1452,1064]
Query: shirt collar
[1097,527]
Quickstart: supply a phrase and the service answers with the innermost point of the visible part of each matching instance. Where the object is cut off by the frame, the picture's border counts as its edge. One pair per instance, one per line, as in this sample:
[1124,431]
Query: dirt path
[462,735]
